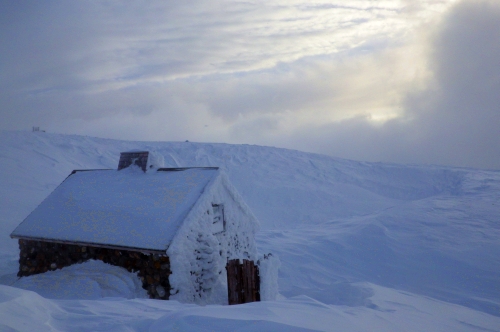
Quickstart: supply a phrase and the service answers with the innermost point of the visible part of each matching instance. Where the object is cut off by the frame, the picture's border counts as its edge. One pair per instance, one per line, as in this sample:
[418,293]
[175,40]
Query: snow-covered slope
[339,227]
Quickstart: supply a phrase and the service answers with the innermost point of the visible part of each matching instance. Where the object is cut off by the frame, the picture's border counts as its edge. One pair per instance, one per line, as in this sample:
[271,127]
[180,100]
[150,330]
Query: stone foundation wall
[39,257]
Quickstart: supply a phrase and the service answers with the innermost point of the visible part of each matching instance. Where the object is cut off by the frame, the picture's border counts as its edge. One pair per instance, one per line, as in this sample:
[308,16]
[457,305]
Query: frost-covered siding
[198,257]
[127,208]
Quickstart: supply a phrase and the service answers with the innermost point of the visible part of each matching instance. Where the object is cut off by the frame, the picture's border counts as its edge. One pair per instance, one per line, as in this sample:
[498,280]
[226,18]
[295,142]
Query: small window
[218,222]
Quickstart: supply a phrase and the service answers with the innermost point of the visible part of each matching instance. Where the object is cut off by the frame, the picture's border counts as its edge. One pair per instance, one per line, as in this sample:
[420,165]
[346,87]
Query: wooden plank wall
[243,282]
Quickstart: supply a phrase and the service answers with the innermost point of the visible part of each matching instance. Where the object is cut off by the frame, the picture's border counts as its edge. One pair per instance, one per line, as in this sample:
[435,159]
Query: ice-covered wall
[198,256]
[268,272]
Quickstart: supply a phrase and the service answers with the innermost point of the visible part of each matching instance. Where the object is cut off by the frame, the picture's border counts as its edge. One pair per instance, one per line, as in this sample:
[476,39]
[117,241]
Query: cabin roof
[122,209]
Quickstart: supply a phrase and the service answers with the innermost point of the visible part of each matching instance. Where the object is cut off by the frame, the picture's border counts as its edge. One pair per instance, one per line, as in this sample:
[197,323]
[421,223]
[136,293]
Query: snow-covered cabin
[177,226]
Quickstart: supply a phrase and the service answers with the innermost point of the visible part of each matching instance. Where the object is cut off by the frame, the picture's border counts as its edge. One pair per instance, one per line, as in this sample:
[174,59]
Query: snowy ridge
[363,246]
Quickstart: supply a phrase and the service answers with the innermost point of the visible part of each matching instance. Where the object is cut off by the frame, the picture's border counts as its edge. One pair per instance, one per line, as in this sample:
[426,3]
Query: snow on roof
[127,208]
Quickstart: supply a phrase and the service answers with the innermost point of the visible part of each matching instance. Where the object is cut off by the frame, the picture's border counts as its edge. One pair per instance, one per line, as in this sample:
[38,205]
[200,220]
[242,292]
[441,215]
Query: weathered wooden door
[243,282]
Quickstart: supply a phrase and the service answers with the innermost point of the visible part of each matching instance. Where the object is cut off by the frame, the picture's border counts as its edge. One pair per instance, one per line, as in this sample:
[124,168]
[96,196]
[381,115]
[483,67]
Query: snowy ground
[363,246]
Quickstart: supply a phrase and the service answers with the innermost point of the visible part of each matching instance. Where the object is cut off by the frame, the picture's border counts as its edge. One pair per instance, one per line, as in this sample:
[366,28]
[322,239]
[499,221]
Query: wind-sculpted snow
[341,229]
[91,280]
[388,310]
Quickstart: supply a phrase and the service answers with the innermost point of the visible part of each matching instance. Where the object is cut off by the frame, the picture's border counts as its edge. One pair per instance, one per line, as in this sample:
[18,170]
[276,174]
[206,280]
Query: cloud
[454,120]
[79,60]
[460,116]
[355,81]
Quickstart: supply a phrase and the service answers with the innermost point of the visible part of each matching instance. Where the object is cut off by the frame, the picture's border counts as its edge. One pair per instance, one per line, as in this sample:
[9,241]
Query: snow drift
[363,246]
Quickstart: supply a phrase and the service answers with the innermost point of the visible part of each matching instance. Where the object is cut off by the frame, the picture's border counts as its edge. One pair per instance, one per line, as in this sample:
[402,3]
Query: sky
[373,80]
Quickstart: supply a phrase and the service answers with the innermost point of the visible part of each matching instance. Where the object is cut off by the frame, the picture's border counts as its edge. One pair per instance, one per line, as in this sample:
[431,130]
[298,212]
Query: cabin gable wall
[199,255]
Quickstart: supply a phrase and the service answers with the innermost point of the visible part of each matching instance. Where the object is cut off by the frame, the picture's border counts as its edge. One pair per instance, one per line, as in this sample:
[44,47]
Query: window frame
[222,215]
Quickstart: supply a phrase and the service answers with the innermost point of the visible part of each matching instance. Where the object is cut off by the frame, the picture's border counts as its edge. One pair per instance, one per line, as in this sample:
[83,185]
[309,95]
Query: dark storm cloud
[463,124]
[455,121]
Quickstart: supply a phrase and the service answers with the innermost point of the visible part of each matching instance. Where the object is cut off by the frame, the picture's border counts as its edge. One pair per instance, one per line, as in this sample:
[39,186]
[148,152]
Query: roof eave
[90,244]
